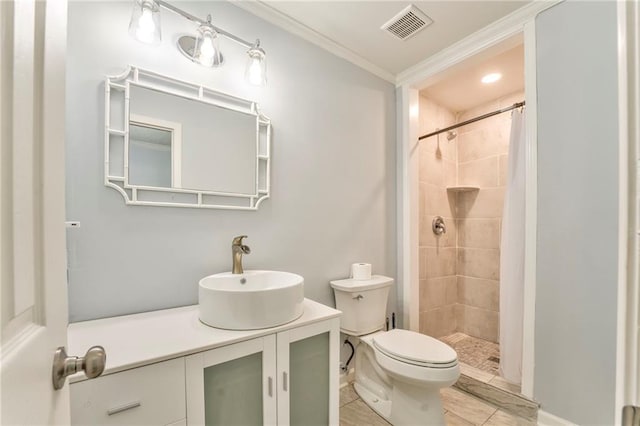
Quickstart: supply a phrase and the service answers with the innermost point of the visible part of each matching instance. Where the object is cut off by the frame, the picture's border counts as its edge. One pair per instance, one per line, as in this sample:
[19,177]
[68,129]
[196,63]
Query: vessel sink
[251,300]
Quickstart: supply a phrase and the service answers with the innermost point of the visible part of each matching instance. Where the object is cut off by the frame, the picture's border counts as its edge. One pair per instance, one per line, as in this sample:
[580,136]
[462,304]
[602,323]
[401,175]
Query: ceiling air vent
[407,23]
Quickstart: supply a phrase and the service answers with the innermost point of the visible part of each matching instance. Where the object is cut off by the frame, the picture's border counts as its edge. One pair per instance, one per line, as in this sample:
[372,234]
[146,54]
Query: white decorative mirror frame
[116,148]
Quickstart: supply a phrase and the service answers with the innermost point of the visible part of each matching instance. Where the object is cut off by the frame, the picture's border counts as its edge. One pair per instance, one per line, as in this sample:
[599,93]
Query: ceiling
[355,26]
[462,89]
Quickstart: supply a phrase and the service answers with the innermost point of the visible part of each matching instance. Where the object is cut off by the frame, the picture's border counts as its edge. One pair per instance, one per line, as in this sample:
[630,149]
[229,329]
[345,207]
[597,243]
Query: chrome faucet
[237,250]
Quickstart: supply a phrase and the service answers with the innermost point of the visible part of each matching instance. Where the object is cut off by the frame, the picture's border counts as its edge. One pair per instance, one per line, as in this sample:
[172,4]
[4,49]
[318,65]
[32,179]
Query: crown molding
[492,34]
[295,27]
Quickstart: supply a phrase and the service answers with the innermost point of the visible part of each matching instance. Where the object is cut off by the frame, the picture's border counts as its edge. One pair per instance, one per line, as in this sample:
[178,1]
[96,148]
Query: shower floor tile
[475,352]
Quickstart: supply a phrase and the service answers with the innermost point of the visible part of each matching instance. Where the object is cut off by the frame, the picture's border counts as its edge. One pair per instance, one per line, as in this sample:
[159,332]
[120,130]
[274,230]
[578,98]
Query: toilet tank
[363,304]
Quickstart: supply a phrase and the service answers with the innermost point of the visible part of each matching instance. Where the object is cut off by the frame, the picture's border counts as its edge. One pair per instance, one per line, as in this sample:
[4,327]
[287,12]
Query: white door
[32,252]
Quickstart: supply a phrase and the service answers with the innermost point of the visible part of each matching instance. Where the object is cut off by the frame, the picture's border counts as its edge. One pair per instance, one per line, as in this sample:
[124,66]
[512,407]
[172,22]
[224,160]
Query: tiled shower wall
[460,271]
[437,255]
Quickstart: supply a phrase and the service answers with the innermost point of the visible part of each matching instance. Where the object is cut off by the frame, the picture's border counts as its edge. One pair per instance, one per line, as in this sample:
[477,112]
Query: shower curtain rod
[473,120]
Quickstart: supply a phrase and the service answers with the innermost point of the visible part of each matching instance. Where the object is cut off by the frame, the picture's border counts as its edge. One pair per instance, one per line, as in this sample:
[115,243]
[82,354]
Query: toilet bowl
[398,373]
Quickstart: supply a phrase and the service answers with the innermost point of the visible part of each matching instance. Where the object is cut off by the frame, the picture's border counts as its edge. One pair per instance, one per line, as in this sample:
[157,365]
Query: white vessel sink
[252,300]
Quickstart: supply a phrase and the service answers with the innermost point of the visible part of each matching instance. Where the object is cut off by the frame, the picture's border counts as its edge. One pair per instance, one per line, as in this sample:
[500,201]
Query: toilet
[398,373]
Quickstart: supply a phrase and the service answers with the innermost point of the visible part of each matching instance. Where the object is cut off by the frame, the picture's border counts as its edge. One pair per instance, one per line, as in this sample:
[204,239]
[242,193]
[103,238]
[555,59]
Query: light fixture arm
[199,21]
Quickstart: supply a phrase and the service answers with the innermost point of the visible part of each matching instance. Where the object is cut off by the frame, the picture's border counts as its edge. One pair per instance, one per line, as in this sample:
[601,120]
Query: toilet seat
[415,349]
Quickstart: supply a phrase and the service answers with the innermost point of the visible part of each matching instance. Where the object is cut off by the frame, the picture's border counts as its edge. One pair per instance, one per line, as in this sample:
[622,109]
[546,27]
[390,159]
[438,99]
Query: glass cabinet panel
[233,392]
[309,382]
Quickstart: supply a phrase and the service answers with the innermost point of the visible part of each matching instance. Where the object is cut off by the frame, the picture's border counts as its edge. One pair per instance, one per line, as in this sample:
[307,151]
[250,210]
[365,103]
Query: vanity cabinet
[167,368]
[280,379]
[150,395]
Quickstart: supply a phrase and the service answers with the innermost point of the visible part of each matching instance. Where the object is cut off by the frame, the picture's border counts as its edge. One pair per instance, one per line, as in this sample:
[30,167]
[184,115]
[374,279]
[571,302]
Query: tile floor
[475,352]
[479,359]
[461,409]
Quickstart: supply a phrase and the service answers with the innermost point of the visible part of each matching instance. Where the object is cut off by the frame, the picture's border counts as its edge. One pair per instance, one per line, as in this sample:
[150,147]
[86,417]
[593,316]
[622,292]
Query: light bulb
[146,26]
[207,51]
[255,72]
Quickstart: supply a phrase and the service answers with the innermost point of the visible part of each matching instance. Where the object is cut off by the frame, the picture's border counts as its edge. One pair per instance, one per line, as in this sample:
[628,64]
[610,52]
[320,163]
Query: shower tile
[479,110]
[478,263]
[439,321]
[429,239]
[481,323]
[474,145]
[431,168]
[428,115]
[450,173]
[482,173]
[511,99]
[479,293]
[432,293]
[437,202]
[503,164]
[422,263]
[479,233]
[486,203]
[440,262]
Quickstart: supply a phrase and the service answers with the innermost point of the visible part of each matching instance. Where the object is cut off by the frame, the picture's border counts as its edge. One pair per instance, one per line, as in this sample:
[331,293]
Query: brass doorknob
[92,363]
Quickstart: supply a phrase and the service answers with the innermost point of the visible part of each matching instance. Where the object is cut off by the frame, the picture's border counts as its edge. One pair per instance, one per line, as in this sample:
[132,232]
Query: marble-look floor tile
[501,383]
[476,373]
[451,419]
[500,418]
[505,400]
[357,413]
[347,394]
[465,406]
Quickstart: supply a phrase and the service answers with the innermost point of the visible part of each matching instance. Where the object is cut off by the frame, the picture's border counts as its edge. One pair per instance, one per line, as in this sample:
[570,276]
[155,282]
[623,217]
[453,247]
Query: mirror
[172,143]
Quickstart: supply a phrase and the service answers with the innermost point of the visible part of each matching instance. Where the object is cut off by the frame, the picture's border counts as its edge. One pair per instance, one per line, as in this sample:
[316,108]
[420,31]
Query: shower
[463,183]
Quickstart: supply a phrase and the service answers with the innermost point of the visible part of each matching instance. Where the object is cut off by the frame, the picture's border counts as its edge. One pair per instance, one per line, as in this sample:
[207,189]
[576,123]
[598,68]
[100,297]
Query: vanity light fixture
[145,22]
[491,78]
[256,71]
[204,47]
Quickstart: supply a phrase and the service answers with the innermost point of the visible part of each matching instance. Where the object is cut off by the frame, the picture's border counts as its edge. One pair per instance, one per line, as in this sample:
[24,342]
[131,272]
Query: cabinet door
[308,374]
[233,385]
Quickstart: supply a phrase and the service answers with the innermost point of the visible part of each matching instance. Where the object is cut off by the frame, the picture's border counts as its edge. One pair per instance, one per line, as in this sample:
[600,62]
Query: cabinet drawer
[150,395]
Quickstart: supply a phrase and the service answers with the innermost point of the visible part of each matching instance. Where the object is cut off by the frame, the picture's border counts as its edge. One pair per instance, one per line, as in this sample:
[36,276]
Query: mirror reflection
[177,142]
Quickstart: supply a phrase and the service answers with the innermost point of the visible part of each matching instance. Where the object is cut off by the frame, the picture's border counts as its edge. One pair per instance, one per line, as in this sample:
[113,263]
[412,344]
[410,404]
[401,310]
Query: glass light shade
[256,71]
[207,48]
[145,22]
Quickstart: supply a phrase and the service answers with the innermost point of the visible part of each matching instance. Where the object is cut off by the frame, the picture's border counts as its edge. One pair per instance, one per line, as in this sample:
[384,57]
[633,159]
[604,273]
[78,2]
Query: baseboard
[548,419]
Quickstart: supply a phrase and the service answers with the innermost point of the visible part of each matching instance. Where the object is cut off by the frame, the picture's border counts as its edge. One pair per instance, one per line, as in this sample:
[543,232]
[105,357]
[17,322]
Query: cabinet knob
[92,363]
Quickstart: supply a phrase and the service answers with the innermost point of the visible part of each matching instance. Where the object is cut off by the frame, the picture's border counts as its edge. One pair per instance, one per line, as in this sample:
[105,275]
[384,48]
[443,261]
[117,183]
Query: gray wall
[333,169]
[575,332]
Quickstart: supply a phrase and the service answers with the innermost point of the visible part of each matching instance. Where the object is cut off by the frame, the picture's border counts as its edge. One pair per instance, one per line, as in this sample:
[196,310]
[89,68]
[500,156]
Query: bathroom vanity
[167,368]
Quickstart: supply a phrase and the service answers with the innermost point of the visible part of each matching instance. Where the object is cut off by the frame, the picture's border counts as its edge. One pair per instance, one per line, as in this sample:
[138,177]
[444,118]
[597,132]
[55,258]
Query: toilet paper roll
[361,271]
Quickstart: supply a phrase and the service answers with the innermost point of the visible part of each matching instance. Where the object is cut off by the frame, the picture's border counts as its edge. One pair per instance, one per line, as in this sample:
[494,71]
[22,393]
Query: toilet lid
[415,348]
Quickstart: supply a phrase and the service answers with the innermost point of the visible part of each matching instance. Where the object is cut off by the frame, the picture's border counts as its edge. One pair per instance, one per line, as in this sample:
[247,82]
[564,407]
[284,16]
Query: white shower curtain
[512,255]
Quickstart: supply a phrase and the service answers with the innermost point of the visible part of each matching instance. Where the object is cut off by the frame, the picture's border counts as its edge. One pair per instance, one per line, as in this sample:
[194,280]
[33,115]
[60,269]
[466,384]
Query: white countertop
[140,339]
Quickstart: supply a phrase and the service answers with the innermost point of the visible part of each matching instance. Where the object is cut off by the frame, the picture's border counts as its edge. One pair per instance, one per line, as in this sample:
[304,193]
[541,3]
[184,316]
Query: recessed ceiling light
[491,78]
